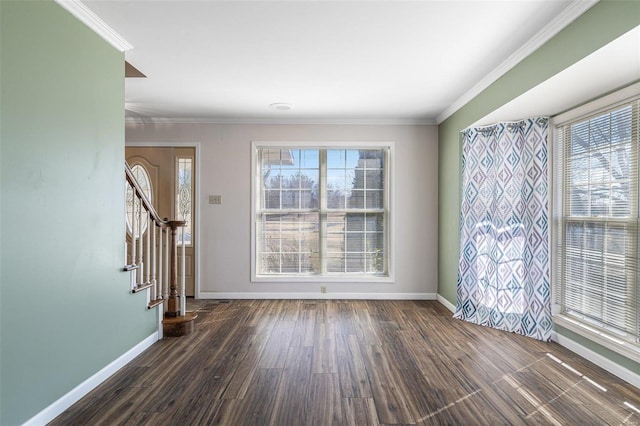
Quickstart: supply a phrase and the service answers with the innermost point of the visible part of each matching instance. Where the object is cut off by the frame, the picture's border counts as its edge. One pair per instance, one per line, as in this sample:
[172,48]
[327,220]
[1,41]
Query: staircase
[155,261]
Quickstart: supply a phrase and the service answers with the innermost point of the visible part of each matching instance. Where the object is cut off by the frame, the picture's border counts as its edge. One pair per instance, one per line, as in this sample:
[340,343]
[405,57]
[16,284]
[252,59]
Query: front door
[172,174]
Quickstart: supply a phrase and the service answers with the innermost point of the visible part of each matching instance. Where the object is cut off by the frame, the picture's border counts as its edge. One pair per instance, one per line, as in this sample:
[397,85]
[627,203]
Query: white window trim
[389,195]
[177,194]
[610,341]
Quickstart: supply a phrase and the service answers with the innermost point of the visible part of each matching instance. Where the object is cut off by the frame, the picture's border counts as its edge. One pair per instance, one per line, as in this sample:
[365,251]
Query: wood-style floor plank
[239,384]
[324,400]
[354,380]
[391,408]
[291,404]
[324,349]
[360,412]
[353,362]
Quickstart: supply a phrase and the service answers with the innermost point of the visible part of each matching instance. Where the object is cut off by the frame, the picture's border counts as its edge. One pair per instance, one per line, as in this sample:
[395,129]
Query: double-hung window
[596,164]
[321,211]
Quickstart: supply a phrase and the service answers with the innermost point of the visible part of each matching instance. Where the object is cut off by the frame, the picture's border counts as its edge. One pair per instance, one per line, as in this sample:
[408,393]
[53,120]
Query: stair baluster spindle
[148,249]
[140,246]
[154,289]
[183,292]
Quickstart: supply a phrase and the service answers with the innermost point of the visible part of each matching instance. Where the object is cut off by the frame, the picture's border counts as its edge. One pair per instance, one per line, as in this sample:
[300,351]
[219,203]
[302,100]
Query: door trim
[196,245]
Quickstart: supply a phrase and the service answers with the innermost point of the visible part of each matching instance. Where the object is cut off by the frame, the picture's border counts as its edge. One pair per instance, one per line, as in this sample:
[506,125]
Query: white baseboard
[450,306]
[74,395]
[319,296]
[605,363]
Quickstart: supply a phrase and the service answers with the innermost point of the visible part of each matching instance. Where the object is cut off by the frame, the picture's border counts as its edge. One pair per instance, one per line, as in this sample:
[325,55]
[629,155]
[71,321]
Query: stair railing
[151,251]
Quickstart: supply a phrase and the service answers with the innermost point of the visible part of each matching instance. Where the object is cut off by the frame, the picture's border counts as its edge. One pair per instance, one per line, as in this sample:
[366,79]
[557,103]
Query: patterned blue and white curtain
[503,269]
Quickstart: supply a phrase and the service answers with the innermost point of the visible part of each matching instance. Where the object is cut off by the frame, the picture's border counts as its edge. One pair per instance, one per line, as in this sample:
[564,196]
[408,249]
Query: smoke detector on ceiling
[281,106]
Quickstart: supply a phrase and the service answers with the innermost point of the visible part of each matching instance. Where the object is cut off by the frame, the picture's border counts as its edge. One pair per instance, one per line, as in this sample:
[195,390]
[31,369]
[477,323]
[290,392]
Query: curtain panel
[503,268]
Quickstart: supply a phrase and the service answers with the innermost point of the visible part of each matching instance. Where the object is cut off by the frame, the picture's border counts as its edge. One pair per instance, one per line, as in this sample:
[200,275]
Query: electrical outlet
[323,289]
[215,199]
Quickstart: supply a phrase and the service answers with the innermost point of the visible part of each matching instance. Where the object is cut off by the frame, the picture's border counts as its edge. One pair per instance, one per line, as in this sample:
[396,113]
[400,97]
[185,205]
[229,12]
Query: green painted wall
[601,24]
[65,310]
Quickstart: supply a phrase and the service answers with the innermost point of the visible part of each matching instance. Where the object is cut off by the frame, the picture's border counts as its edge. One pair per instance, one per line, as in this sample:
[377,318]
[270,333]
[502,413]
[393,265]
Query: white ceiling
[395,61]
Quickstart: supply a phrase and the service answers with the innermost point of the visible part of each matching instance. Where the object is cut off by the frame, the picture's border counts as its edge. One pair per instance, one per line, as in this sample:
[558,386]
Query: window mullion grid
[299,201]
[566,195]
[259,215]
[607,284]
[634,276]
[280,189]
[346,201]
[322,212]
[632,321]
[282,225]
[363,245]
[386,205]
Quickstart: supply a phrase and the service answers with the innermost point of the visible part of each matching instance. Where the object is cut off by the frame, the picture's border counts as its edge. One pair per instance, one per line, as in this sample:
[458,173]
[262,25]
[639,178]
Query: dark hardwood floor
[336,362]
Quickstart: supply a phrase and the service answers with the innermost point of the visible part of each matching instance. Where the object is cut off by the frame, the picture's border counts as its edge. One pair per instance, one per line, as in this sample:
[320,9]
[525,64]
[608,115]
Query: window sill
[358,279]
[616,344]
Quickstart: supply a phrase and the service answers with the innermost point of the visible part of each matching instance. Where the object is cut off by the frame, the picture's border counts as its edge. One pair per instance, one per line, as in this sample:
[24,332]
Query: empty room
[320,212]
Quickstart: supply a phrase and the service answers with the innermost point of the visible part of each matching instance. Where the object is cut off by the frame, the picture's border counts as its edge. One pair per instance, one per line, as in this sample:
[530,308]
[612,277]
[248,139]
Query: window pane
[272,199]
[276,157]
[374,222]
[184,198]
[579,199]
[599,131]
[310,159]
[144,181]
[579,138]
[335,262]
[355,262]
[356,200]
[599,278]
[337,189]
[620,206]
[599,171]
[289,181]
[355,178]
[271,181]
[359,238]
[374,199]
[290,199]
[599,195]
[599,268]
[621,121]
[289,243]
[375,179]
[336,158]
[579,170]
[599,166]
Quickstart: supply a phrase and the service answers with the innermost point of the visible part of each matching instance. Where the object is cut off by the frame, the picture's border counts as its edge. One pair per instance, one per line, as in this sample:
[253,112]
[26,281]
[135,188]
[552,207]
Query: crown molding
[93,21]
[566,17]
[290,121]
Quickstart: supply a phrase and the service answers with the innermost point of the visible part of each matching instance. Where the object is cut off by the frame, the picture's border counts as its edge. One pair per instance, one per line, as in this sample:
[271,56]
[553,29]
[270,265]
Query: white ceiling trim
[568,15]
[93,21]
[293,121]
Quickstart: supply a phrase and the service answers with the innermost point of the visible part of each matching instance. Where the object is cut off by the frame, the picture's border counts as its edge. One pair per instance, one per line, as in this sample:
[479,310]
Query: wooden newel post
[173,306]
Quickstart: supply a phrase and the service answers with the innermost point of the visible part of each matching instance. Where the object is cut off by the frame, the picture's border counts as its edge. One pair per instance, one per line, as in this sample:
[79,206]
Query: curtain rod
[508,124]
